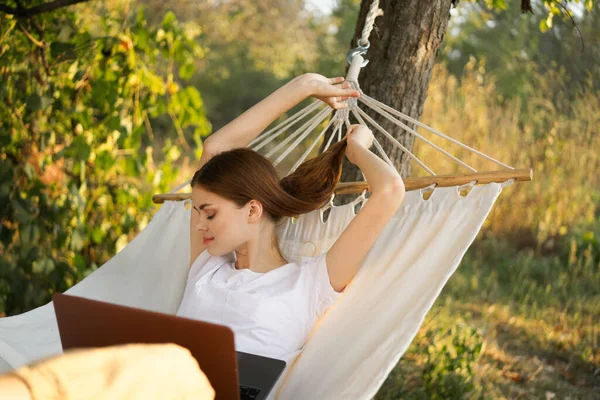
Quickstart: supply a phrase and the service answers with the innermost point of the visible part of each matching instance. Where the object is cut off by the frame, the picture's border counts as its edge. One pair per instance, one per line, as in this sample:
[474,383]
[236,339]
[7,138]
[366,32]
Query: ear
[255,210]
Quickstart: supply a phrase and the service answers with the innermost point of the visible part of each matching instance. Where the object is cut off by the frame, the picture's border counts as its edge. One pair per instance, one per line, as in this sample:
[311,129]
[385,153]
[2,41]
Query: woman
[238,275]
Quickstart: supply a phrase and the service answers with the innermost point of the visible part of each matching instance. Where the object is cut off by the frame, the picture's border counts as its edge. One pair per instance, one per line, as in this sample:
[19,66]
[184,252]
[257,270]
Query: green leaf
[99,91]
[79,149]
[29,171]
[3,88]
[77,241]
[79,263]
[142,37]
[105,160]
[186,71]
[6,236]
[549,20]
[98,235]
[140,19]
[195,100]
[29,234]
[62,50]
[497,4]
[589,4]
[43,266]
[33,102]
[45,102]
[21,213]
[153,82]
[169,19]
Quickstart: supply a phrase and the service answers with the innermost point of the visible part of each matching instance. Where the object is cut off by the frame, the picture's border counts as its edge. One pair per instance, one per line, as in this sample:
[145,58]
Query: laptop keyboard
[248,392]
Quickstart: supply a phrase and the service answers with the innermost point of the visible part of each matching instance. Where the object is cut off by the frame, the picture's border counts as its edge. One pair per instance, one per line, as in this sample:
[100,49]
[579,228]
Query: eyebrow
[201,207]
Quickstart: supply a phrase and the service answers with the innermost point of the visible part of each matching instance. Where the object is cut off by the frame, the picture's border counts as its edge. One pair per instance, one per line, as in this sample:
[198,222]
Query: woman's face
[221,219]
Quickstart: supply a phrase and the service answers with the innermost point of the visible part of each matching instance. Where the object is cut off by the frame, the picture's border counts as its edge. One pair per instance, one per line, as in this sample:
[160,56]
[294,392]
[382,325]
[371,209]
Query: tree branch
[566,11]
[21,12]
[31,38]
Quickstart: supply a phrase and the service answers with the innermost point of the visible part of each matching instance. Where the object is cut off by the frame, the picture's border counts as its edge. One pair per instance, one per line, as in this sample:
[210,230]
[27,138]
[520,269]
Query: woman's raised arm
[348,252]
[242,130]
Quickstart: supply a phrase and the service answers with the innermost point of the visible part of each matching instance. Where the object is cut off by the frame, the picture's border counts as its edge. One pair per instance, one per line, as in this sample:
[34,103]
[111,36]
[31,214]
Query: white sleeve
[327,295]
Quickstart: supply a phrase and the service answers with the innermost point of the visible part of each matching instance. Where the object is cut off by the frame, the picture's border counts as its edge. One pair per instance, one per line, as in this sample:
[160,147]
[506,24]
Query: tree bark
[404,44]
[21,12]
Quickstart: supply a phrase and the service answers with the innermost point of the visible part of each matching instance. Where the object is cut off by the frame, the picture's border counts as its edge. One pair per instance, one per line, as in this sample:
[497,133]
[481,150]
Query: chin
[216,253]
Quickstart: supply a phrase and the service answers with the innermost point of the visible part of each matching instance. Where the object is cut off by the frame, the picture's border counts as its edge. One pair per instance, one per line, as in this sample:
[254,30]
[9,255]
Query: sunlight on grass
[528,288]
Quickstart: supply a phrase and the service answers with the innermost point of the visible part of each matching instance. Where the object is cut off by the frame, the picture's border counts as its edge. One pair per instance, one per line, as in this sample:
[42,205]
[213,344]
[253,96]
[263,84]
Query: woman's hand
[333,91]
[357,135]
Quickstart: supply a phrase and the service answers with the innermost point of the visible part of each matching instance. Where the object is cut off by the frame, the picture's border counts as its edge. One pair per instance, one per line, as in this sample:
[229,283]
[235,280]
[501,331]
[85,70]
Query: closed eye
[208,217]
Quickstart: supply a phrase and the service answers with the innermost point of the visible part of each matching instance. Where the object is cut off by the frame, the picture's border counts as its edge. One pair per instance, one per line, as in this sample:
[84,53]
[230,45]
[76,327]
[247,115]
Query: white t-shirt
[272,313]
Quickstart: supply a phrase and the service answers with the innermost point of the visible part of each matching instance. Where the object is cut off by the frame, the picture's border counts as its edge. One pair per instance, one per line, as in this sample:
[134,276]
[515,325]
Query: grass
[520,319]
[525,326]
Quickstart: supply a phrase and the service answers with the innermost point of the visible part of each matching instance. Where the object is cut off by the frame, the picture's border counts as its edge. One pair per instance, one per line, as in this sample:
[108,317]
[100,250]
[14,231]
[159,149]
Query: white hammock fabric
[345,357]
[362,337]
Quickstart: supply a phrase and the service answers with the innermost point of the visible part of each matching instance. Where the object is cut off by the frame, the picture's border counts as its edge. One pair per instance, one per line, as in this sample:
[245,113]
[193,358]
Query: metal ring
[359,49]
[352,52]
[361,46]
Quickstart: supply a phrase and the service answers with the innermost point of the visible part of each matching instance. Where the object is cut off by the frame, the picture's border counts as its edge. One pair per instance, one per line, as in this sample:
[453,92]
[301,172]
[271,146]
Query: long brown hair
[242,174]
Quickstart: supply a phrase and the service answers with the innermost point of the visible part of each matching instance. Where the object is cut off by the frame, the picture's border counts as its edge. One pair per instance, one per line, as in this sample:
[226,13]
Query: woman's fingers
[350,93]
[342,91]
[336,98]
[347,89]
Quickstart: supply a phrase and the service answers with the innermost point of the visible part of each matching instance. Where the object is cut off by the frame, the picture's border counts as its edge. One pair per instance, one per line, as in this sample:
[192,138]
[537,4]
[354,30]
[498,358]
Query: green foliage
[255,47]
[565,281]
[77,103]
[503,317]
[450,356]
[550,7]
[447,353]
[516,51]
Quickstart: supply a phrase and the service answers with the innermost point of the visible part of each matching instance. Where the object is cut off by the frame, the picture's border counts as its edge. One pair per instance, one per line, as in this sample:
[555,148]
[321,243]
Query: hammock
[402,275]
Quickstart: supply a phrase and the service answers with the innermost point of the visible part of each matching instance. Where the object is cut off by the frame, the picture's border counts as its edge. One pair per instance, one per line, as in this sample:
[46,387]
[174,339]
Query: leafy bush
[77,169]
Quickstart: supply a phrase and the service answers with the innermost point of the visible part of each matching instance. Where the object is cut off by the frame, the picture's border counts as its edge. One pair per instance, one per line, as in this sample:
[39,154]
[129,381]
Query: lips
[206,240]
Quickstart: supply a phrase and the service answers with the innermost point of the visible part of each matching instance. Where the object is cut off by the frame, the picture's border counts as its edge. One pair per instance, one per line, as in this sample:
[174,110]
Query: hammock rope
[374,12]
[366,99]
[280,128]
[302,137]
[383,113]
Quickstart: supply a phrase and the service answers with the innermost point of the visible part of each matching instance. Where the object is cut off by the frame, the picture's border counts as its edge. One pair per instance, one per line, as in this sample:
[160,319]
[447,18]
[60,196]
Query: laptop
[234,375]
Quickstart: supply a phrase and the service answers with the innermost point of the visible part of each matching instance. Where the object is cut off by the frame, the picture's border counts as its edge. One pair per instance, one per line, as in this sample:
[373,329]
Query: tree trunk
[404,44]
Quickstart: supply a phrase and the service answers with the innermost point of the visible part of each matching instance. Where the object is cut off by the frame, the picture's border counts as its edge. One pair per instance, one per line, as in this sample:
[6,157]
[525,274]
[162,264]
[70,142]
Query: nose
[200,227]
[200,224]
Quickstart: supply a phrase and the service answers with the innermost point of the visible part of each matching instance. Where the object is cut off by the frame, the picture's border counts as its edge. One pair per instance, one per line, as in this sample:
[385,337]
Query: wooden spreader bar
[520,175]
